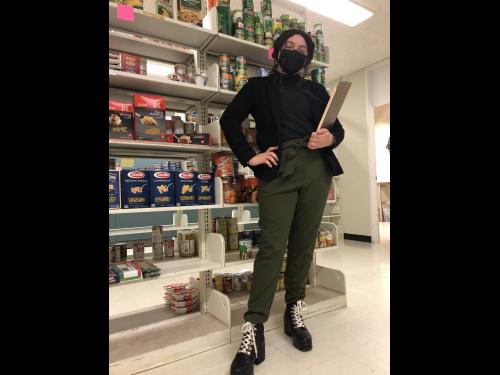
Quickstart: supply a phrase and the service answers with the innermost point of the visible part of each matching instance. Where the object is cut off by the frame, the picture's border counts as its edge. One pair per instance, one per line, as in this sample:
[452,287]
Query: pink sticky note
[270,53]
[125,12]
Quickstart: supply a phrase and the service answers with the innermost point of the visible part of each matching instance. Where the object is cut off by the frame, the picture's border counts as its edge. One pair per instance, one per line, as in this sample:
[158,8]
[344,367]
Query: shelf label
[125,12]
[270,53]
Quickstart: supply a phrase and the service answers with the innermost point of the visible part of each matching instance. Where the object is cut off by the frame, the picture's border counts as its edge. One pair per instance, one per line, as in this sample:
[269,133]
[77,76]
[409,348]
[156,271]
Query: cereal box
[135,188]
[121,120]
[184,188]
[205,188]
[114,189]
[162,189]
[149,124]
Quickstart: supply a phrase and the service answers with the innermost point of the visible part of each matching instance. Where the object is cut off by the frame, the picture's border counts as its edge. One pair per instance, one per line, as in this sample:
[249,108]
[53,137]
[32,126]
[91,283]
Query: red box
[203,139]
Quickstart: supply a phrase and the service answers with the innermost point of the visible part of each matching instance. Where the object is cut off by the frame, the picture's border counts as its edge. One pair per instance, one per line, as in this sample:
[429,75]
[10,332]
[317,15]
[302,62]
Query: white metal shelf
[143,230]
[236,205]
[159,85]
[254,220]
[164,28]
[146,46]
[224,97]
[162,209]
[331,201]
[233,258]
[160,146]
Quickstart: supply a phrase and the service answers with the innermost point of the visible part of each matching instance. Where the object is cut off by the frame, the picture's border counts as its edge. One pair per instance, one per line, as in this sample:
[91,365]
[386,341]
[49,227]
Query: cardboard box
[161,189]
[195,139]
[135,188]
[205,188]
[149,122]
[126,62]
[121,120]
[127,271]
[114,190]
[185,194]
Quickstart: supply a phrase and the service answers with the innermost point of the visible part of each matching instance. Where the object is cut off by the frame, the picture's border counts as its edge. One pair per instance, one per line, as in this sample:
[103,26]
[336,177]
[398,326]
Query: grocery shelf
[226,148]
[162,209]
[233,258]
[236,205]
[159,85]
[159,146]
[142,230]
[164,28]
[146,46]
[251,221]
[319,64]
[331,201]
[255,54]
[330,216]
[223,97]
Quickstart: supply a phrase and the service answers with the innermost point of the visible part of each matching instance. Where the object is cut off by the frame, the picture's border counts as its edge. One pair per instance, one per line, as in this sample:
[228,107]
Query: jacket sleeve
[337,130]
[231,120]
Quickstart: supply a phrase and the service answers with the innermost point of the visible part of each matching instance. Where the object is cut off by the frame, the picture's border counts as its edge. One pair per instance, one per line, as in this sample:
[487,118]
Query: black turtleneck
[296,112]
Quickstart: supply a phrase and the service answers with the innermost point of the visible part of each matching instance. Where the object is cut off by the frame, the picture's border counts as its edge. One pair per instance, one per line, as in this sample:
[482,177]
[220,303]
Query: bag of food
[191,11]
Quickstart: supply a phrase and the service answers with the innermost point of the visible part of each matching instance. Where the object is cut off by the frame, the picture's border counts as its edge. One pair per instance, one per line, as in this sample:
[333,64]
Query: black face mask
[291,60]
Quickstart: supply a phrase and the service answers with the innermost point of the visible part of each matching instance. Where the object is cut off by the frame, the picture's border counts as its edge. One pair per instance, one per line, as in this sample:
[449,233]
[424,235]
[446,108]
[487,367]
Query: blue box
[114,189]
[135,188]
[161,189]
[185,194]
[205,188]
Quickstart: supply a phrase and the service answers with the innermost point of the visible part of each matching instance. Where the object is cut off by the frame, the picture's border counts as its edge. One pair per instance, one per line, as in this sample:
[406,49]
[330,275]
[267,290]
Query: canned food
[329,238]
[227,283]
[223,19]
[268,42]
[218,279]
[237,282]
[277,26]
[138,251]
[266,7]
[120,252]
[239,32]
[294,23]
[157,233]
[158,251]
[189,128]
[111,254]
[259,39]
[268,24]
[229,192]
[301,25]
[285,22]
[248,16]
[232,225]
[168,247]
[322,239]
[232,241]
[248,4]
[223,165]
[249,33]
[241,63]
[178,125]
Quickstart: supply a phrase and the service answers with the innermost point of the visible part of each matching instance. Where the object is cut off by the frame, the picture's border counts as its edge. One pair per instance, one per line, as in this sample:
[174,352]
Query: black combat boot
[294,326]
[252,349]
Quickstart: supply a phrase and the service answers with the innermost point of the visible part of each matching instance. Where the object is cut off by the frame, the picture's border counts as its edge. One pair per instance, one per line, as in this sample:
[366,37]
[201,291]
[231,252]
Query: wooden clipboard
[334,104]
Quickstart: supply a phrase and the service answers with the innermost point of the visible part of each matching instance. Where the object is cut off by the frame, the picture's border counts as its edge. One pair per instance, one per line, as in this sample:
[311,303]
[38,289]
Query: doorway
[382,161]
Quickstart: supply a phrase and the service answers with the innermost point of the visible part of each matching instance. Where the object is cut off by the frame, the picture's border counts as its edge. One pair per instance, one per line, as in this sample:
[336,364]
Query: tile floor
[350,341]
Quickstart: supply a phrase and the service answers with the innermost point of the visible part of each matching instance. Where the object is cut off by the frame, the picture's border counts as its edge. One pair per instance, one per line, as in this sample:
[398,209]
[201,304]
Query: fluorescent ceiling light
[343,11]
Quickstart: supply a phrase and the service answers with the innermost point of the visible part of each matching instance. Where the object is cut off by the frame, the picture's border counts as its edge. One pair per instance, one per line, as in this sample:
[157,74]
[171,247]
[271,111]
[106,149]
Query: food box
[190,139]
[121,120]
[113,277]
[149,121]
[162,189]
[205,188]
[191,11]
[114,189]
[135,3]
[148,268]
[127,271]
[126,62]
[135,188]
[165,8]
[185,194]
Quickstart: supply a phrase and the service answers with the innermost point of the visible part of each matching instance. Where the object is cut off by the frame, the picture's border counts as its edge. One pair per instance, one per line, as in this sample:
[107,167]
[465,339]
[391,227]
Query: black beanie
[280,42]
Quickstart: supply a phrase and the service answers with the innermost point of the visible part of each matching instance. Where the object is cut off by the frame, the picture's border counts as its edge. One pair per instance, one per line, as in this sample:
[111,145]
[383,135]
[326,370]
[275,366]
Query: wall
[379,83]
[354,157]
[382,133]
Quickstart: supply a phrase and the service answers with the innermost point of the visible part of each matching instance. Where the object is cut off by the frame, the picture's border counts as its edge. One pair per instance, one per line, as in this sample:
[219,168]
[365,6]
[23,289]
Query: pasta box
[161,189]
[121,120]
[135,188]
[114,189]
[149,120]
[185,194]
[205,188]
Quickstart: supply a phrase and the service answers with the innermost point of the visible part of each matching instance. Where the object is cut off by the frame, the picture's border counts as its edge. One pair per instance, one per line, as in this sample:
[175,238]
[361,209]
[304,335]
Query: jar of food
[229,191]
[223,165]
[180,69]
[178,125]
[168,247]
[138,251]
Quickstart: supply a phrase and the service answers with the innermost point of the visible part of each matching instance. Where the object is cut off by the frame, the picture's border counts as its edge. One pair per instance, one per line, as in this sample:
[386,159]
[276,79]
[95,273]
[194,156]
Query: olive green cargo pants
[290,207]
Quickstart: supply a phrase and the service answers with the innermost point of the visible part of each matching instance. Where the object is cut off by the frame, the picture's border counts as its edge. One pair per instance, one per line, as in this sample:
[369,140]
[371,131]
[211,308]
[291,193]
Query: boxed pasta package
[149,122]
[135,188]
[139,4]
[205,188]
[114,189]
[191,11]
[121,120]
[162,189]
[185,194]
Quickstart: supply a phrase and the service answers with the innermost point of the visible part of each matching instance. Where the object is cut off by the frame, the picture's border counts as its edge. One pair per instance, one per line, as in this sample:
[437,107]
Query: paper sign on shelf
[125,12]
[270,53]
[127,163]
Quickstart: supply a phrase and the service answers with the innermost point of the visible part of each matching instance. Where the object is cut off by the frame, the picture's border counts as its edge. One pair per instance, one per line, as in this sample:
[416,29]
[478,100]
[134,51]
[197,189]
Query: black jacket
[260,98]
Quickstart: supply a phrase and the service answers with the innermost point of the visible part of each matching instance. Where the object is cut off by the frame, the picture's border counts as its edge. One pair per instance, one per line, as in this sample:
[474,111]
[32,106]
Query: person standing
[295,172]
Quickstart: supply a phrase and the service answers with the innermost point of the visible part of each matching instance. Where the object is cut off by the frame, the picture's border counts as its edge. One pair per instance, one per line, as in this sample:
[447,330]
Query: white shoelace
[248,339]
[297,310]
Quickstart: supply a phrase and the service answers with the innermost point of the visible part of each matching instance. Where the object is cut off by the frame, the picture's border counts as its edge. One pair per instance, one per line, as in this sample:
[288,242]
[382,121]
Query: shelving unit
[144,338]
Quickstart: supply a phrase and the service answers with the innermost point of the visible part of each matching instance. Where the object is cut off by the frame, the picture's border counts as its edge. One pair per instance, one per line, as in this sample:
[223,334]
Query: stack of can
[302,25]
[259,28]
[277,28]
[138,251]
[157,241]
[285,22]
[218,282]
[249,20]
[224,19]
[241,78]
[220,226]
[120,252]
[238,24]
[226,77]
[294,23]
[319,53]
[232,233]
[227,283]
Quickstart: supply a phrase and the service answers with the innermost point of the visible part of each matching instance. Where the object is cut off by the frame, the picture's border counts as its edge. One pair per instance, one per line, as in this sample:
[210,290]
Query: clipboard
[334,104]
